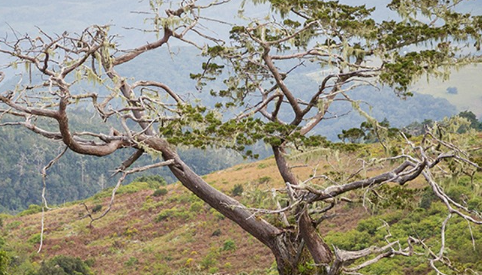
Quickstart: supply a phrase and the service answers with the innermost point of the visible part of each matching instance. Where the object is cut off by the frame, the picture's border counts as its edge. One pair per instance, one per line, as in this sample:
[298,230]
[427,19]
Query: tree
[256,64]
[470,116]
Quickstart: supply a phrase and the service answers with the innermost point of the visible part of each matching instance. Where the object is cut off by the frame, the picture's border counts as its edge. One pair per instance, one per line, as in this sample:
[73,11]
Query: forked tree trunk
[286,245]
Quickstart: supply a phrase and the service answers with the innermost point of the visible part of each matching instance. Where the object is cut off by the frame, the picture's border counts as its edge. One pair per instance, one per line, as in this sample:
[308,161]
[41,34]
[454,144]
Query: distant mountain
[23,155]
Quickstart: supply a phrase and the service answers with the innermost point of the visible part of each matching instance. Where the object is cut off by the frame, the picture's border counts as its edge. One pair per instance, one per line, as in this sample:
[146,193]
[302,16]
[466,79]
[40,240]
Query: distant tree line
[74,177]
[369,132]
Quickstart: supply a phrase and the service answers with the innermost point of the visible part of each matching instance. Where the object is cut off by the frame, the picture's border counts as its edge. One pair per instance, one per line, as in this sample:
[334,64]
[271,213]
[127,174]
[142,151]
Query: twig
[44,188]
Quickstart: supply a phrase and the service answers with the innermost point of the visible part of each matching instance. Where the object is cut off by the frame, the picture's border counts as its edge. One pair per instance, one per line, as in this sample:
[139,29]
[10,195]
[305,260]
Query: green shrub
[34,239]
[97,208]
[196,207]
[237,190]
[229,245]
[369,225]
[427,198]
[475,204]
[160,192]
[4,262]
[13,225]
[164,215]
[154,181]
[209,260]
[64,265]
[131,262]
[133,188]
[216,232]
[458,193]
[32,209]
[172,213]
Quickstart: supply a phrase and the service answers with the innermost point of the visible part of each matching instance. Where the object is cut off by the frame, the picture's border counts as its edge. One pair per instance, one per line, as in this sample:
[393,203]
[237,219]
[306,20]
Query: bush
[32,209]
[229,245]
[133,187]
[97,208]
[164,215]
[154,181]
[196,207]
[216,232]
[237,190]
[64,265]
[160,192]
[4,262]
[34,239]
[209,261]
[172,213]
[131,262]
[13,225]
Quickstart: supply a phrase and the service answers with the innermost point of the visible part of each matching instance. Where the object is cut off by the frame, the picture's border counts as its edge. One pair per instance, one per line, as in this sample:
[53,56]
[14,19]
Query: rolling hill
[154,229]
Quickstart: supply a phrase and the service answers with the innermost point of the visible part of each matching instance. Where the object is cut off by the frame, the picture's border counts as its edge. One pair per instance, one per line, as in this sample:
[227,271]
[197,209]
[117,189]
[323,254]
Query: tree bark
[319,250]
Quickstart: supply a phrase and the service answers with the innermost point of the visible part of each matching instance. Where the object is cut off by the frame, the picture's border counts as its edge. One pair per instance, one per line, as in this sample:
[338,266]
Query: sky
[56,16]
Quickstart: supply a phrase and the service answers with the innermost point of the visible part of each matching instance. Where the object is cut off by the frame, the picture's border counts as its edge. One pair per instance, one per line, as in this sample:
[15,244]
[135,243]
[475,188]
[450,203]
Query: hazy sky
[56,16]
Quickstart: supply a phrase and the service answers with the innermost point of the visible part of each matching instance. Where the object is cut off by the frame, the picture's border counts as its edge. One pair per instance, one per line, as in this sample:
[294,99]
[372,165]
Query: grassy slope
[132,239]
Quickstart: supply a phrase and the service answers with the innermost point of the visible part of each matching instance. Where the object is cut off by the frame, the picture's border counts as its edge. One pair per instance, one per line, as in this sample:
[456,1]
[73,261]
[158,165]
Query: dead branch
[44,188]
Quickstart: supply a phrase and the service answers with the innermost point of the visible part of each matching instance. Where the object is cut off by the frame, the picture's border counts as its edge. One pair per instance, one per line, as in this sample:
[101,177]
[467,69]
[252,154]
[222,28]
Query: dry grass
[130,241]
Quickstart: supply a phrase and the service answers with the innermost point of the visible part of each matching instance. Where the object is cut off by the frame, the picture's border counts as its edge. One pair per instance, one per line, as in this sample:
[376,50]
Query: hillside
[172,232]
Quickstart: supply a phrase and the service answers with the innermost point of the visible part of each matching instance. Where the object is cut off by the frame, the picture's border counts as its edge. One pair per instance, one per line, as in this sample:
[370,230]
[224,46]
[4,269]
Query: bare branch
[159,85]
[142,49]
[44,188]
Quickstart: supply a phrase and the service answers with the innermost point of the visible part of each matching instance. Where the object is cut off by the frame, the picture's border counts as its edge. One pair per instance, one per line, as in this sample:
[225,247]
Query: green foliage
[395,197]
[229,245]
[369,132]
[35,238]
[172,213]
[154,181]
[97,208]
[369,225]
[209,260]
[32,209]
[13,225]
[203,129]
[216,232]
[196,207]
[132,261]
[474,123]
[133,187]
[237,190]
[21,187]
[160,192]
[351,240]
[64,265]
[427,197]
[4,262]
